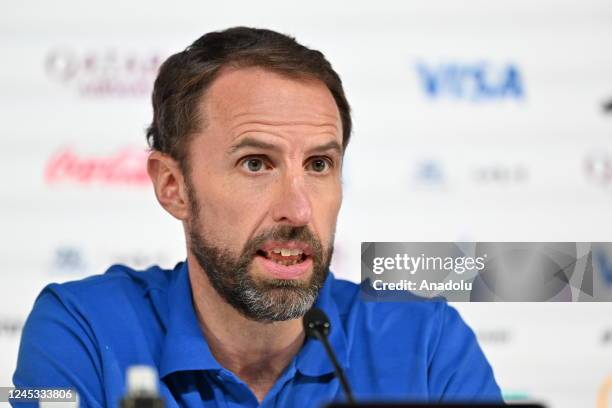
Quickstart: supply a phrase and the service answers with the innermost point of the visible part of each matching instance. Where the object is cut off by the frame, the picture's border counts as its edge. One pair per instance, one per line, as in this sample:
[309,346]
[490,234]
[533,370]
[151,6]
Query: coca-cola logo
[96,73]
[127,166]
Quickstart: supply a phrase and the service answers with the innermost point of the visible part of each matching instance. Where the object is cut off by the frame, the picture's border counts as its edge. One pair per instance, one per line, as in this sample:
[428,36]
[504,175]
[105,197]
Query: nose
[292,205]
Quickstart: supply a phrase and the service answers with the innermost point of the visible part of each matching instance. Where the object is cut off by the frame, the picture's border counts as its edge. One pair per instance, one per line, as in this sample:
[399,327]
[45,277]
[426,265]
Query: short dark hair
[184,77]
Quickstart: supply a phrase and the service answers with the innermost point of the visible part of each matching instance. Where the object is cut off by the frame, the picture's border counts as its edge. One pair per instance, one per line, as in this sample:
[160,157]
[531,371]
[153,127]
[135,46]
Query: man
[248,136]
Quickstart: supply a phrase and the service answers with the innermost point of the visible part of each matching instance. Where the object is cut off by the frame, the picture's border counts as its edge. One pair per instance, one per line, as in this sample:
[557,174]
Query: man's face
[265,191]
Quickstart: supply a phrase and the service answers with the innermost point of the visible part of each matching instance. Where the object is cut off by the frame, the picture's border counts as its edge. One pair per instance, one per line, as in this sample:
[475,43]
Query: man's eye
[253,164]
[319,165]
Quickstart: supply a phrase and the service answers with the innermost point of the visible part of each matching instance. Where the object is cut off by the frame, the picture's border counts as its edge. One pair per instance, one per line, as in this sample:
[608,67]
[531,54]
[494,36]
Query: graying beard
[269,308]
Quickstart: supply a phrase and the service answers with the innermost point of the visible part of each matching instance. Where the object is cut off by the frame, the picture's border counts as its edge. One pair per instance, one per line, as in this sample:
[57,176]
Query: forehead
[242,96]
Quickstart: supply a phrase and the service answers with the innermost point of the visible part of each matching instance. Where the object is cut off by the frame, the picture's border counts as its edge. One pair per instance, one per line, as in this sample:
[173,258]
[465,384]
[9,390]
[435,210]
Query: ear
[169,184]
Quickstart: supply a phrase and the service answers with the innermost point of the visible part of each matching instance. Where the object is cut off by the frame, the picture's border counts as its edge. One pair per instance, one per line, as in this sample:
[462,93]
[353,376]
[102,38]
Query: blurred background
[477,120]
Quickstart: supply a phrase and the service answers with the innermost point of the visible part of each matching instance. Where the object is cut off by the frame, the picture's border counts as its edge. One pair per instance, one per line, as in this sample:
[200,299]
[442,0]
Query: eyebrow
[251,142]
[332,145]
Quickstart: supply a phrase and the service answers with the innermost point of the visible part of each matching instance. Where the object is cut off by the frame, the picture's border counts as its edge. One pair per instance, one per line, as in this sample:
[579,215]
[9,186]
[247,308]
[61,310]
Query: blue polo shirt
[85,334]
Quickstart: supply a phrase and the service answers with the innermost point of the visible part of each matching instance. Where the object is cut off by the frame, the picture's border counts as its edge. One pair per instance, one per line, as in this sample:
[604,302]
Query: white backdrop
[476,120]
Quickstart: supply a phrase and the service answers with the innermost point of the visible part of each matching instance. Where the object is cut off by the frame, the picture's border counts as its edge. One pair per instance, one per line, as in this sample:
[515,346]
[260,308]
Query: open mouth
[284,256]
[286,260]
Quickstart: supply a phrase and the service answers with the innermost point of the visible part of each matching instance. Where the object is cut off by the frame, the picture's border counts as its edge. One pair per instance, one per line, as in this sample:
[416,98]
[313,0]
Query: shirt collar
[185,347]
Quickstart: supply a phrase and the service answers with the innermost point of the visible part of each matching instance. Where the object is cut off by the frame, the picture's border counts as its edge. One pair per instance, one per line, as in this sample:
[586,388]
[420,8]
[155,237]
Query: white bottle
[142,390]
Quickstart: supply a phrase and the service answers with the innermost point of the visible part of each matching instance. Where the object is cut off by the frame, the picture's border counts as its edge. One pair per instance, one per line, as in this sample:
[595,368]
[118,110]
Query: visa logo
[472,82]
[604,266]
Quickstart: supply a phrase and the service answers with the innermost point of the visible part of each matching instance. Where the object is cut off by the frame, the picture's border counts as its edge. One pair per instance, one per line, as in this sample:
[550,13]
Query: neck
[256,352]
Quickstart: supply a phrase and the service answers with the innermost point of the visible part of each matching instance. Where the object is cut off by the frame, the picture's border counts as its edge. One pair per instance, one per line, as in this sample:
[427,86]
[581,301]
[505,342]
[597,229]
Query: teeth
[287,251]
[286,262]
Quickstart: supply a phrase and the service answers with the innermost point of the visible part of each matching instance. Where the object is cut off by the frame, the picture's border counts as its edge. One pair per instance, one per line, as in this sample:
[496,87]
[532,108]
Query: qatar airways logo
[108,73]
[126,166]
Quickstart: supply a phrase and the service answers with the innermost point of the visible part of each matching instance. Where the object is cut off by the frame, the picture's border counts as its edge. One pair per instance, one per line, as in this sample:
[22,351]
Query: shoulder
[79,332]
[122,300]
[121,276]
[95,315]
[119,284]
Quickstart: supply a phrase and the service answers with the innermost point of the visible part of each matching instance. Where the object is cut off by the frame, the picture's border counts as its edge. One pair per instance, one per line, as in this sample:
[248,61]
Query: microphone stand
[317,325]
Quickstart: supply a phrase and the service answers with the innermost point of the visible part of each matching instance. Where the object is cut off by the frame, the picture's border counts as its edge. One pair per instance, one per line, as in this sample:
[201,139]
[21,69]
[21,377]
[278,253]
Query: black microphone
[317,325]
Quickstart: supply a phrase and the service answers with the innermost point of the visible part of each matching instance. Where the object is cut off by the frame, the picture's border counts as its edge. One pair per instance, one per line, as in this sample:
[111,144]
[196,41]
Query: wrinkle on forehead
[258,98]
[256,124]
